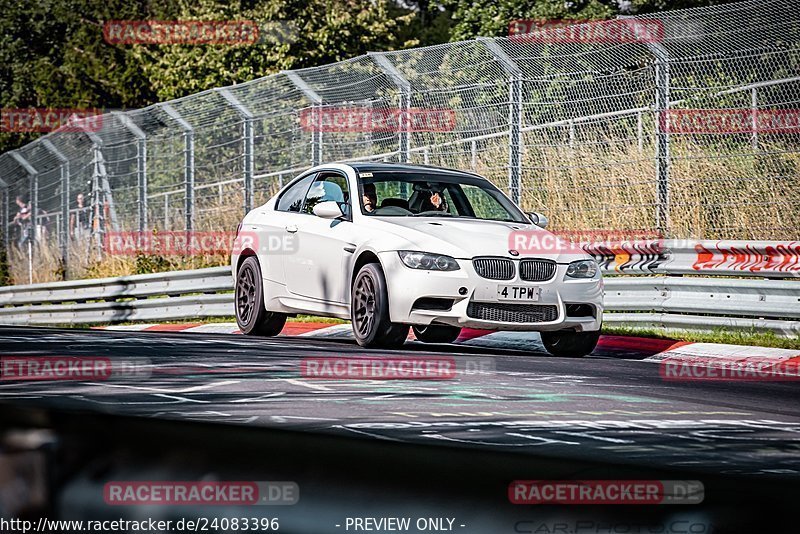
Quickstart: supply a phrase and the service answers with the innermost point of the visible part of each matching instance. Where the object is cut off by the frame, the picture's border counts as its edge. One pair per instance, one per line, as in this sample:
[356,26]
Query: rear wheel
[436,333]
[369,311]
[251,315]
[569,343]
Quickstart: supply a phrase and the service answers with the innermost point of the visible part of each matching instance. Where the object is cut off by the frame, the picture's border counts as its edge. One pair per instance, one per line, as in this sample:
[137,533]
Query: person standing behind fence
[79,219]
[23,220]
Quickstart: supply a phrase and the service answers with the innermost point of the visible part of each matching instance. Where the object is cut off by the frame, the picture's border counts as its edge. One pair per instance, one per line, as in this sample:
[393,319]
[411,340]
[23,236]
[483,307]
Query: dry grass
[717,191]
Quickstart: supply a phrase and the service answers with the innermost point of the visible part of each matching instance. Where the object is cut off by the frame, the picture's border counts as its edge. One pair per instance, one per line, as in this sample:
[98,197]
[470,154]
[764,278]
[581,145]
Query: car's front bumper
[464,286]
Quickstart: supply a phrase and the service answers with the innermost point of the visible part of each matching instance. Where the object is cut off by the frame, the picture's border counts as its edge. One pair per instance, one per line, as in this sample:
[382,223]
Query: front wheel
[369,311]
[251,315]
[436,333]
[569,343]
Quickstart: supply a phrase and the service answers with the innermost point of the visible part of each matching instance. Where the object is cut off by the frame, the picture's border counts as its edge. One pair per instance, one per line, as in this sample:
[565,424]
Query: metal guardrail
[664,299]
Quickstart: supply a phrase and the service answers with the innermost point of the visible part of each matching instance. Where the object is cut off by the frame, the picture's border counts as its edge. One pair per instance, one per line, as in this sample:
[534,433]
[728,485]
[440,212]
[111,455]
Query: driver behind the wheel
[369,198]
[436,202]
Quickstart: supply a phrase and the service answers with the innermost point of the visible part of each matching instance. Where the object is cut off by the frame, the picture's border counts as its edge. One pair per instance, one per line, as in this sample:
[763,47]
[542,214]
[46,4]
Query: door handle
[292,228]
[350,249]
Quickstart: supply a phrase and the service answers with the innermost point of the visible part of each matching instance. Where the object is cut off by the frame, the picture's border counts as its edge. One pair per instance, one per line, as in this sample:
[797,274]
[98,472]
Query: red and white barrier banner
[775,259]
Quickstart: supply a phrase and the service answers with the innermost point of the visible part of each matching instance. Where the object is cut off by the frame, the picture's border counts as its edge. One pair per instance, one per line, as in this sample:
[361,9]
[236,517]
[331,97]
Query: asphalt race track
[611,406]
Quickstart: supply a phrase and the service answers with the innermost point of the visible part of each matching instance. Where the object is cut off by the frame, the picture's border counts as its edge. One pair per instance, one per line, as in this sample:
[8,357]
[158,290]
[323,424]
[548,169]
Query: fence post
[64,230]
[404,97]
[515,99]
[662,106]
[248,143]
[316,105]
[141,165]
[754,117]
[662,137]
[188,133]
[6,222]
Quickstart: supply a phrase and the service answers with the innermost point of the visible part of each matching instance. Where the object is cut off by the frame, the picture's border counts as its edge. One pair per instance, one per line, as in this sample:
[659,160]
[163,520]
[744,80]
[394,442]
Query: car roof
[371,166]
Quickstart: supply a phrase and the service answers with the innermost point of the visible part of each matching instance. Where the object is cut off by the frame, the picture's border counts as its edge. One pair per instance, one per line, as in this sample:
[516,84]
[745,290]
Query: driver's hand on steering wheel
[438,202]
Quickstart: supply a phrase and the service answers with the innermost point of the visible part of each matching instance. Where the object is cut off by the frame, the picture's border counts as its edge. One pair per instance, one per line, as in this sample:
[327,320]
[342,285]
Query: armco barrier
[721,297]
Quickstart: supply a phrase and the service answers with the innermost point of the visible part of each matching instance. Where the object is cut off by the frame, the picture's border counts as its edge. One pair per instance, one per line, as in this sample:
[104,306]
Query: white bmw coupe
[389,246]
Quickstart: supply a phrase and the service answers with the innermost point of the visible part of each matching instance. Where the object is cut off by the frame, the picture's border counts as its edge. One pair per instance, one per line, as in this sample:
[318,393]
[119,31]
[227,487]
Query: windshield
[405,194]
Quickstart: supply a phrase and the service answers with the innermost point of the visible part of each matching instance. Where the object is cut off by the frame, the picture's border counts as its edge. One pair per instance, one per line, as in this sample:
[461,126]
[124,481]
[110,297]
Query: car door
[277,227]
[320,269]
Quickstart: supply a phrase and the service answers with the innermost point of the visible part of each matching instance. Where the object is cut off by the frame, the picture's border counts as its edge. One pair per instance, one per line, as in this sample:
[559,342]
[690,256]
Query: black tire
[251,316]
[369,311]
[436,333]
[569,343]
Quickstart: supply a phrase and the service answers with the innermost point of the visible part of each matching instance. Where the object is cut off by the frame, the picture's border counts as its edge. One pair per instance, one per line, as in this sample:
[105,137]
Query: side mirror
[329,209]
[538,219]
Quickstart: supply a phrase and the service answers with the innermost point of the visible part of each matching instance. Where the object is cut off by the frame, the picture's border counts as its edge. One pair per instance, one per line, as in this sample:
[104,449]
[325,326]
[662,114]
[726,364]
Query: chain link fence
[625,134]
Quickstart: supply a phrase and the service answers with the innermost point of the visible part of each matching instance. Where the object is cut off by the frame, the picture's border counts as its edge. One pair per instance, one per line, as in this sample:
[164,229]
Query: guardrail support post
[248,147]
[515,99]
[65,185]
[188,136]
[404,98]
[141,165]
[316,105]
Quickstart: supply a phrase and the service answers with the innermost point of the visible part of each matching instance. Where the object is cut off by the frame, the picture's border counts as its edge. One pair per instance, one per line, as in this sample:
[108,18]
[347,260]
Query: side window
[483,204]
[328,187]
[292,198]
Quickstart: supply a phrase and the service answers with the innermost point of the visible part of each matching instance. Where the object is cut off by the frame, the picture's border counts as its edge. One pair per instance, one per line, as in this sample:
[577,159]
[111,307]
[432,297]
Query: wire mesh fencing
[684,123]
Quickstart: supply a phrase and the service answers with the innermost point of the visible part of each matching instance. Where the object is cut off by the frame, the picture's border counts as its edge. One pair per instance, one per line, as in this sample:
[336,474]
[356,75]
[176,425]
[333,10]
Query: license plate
[525,293]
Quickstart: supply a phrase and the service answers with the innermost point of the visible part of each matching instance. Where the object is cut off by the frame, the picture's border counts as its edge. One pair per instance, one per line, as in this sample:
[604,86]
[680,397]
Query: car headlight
[582,269]
[427,261]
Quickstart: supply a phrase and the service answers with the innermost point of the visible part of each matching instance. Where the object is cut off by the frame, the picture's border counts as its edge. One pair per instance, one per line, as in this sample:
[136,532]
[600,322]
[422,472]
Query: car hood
[467,238]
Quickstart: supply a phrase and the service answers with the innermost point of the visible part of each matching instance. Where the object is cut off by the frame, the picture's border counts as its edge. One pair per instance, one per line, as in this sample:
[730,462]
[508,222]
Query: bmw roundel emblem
[513,252]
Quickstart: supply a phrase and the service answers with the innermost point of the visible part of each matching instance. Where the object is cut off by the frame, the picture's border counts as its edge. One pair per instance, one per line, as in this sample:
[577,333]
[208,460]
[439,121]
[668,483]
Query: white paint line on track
[213,328]
[343,331]
[169,391]
[317,387]
[129,327]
